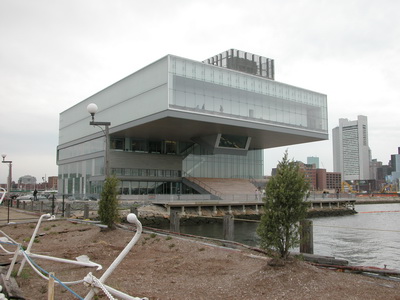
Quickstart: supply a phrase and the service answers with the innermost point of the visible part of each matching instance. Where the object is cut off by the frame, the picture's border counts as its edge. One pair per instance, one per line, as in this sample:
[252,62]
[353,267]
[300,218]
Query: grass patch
[25,274]
[27,240]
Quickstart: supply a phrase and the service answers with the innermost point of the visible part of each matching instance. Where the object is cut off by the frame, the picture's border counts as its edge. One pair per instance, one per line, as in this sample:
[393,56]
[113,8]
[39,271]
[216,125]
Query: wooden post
[41,206]
[51,286]
[306,237]
[86,211]
[68,210]
[24,205]
[174,219]
[228,227]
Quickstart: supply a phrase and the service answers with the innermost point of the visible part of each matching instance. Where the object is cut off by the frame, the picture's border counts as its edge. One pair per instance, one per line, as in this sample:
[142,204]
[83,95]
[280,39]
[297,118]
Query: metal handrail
[202,184]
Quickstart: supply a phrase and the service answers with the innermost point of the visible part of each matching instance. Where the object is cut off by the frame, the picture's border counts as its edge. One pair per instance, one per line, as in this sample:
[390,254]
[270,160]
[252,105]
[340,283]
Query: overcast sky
[55,53]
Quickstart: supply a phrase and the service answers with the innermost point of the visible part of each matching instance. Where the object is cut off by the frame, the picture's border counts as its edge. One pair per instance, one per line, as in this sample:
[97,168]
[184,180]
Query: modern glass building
[179,118]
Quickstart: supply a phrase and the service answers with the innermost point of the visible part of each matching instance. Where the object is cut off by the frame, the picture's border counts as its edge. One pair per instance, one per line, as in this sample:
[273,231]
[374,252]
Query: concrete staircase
[225,186]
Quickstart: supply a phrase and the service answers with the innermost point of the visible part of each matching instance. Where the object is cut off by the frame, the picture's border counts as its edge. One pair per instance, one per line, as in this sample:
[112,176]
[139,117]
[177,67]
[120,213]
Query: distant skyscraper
[313,161]
[351,153]
[395,164]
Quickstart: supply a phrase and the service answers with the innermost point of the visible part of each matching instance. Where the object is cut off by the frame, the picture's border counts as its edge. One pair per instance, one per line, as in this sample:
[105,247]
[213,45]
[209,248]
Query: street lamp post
[9,162]
[92,109]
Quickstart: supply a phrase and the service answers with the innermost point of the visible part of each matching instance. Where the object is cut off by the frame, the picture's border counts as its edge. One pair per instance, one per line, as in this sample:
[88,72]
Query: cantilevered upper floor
[180,99]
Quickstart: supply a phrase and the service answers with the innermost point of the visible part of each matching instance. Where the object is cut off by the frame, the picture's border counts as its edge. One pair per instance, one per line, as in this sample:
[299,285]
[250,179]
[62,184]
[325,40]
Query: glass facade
[184,88]
[75,178]
[200,163]
[87,147]
[213,90]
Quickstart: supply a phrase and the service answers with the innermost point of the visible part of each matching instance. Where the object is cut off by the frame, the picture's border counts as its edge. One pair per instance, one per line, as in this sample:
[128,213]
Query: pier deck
[243,206]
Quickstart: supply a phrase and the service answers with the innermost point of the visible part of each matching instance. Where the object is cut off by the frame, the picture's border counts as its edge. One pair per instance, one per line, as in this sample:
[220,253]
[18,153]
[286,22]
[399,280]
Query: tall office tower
[312,160]
[395,164]
[351,154]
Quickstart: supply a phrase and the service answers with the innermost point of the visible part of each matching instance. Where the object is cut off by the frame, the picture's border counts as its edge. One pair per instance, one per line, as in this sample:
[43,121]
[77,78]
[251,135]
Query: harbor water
[369,238]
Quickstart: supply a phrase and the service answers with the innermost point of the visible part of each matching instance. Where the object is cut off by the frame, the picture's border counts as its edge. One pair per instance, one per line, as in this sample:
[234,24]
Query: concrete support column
[215,209]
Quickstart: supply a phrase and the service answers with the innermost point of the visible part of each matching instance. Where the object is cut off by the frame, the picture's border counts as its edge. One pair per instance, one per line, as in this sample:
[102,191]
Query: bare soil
[162,266]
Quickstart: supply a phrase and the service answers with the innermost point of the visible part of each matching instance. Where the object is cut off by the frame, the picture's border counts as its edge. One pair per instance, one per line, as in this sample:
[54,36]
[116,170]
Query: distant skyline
[55,54]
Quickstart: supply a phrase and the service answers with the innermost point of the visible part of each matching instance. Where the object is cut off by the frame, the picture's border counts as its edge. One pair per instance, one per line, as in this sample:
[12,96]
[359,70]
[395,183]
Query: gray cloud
[56,53]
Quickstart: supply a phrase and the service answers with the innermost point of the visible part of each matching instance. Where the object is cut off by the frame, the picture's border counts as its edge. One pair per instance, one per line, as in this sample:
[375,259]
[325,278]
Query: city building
[312,160]
[52,183]
[395,174]
[320,179]
[333,180]
[27,183]
[351,153]
[310,173]
[178,121]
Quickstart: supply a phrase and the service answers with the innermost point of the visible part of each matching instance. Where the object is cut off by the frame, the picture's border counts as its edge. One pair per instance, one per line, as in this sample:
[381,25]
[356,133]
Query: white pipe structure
[28,249]
[2,190]
[82,260]
[131,218]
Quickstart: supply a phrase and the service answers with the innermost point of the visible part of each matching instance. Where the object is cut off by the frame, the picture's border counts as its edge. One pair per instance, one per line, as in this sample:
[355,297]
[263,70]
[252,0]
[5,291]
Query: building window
[170,147]
[117,143]
[139,146]
[154,147]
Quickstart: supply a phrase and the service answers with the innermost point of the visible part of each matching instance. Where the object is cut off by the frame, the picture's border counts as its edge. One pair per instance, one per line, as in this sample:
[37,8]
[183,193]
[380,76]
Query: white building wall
[351,153]
[337,153]
[143,93]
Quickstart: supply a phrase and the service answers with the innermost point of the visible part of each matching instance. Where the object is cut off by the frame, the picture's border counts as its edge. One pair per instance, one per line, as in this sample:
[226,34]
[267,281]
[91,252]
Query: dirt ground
[163,266]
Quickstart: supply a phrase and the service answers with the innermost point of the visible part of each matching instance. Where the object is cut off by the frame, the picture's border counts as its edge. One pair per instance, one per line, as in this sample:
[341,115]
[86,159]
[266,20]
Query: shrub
[108,204]
[284,208]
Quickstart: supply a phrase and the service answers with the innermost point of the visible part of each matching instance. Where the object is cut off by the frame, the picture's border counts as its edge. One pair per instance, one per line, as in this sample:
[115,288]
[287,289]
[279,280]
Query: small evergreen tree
[284,208]
[108,205]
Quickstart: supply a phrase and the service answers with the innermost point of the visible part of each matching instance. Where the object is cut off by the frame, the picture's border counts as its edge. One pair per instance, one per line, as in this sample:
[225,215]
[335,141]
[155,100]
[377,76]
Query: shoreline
[156,218]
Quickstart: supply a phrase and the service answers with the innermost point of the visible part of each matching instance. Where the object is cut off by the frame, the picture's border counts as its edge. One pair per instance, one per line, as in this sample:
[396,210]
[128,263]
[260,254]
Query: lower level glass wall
[80,179]
[152,187]
[86,177]
[200,163]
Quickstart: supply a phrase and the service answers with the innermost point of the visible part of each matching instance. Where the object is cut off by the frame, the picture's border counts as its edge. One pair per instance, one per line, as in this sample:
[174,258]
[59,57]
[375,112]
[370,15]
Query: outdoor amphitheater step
[229,186]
